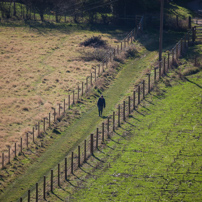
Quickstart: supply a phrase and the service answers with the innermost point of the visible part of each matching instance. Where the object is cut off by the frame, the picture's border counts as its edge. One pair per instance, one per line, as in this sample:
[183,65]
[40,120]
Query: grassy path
[77,131]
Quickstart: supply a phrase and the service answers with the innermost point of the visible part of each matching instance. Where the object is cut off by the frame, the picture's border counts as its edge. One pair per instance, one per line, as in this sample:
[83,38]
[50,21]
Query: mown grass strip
[78,131]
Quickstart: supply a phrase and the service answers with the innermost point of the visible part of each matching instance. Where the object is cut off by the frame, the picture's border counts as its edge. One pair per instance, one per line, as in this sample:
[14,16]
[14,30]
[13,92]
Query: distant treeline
[118,9]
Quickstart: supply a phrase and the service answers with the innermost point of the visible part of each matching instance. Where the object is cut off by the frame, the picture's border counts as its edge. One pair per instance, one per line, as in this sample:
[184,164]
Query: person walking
[101,104]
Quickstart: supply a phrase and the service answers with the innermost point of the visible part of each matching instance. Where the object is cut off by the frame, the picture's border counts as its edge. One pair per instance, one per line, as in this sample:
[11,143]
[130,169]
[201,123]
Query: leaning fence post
[119,112]
[103,132]
[91,144]
[51,180]
[72,163]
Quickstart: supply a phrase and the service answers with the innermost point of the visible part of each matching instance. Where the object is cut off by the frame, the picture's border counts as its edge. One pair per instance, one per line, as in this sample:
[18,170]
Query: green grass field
[154,156]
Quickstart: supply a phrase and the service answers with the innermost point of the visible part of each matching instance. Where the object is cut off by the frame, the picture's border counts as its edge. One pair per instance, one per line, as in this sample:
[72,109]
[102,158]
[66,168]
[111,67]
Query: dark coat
[101,102]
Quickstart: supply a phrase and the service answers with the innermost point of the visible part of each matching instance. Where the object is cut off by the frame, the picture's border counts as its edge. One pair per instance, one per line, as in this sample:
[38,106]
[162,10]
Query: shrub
[131,52]
[95,42]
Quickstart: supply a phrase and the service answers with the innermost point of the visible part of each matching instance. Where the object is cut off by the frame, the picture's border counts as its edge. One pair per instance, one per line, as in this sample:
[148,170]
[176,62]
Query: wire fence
[66,169]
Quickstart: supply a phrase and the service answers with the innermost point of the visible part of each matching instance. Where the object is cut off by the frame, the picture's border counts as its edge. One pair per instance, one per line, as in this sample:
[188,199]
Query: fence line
[40,128]
[64,171]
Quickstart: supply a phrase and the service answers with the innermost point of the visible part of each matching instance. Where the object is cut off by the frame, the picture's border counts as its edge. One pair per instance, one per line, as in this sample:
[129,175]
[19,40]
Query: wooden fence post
[168,61]
[113,121]
[72,163]
[177,51]
[38,129]
[97,133]
[86,84]
[59,109]
[121,46]
[189,22]
[128,105]
[98,70]
[103,132]
[49,120]
[2,160]
[44,187]
[21,144]
[164,65]
[119,113]
[65,168]
[91,79]
[51,180]
[172,57]
[82,89]
[108,127]
[15,149]
[58,175]
[149,82]
[73,98]
[133,100]
[54,114]
[37,192]
[160,69]
[21,199]
[138,94]
[27,140]
[124,111]
[118,49]
[91,144]
[33,133]
[64,105]
[84,150]
[79,157]
[28,197]
[44,125]
[78,94]
[143,88]
[69,101]
[181,46]
[95,74]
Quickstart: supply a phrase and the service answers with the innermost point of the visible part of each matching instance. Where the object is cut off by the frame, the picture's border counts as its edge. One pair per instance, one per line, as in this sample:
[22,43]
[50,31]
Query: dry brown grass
[37,72]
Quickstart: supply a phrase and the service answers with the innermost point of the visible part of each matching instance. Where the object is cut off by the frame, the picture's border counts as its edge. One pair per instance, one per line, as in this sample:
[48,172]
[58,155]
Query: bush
[131,52]
[95,42]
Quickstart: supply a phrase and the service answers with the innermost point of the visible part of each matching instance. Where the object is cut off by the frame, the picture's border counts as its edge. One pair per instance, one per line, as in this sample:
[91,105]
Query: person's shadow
[104,117]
